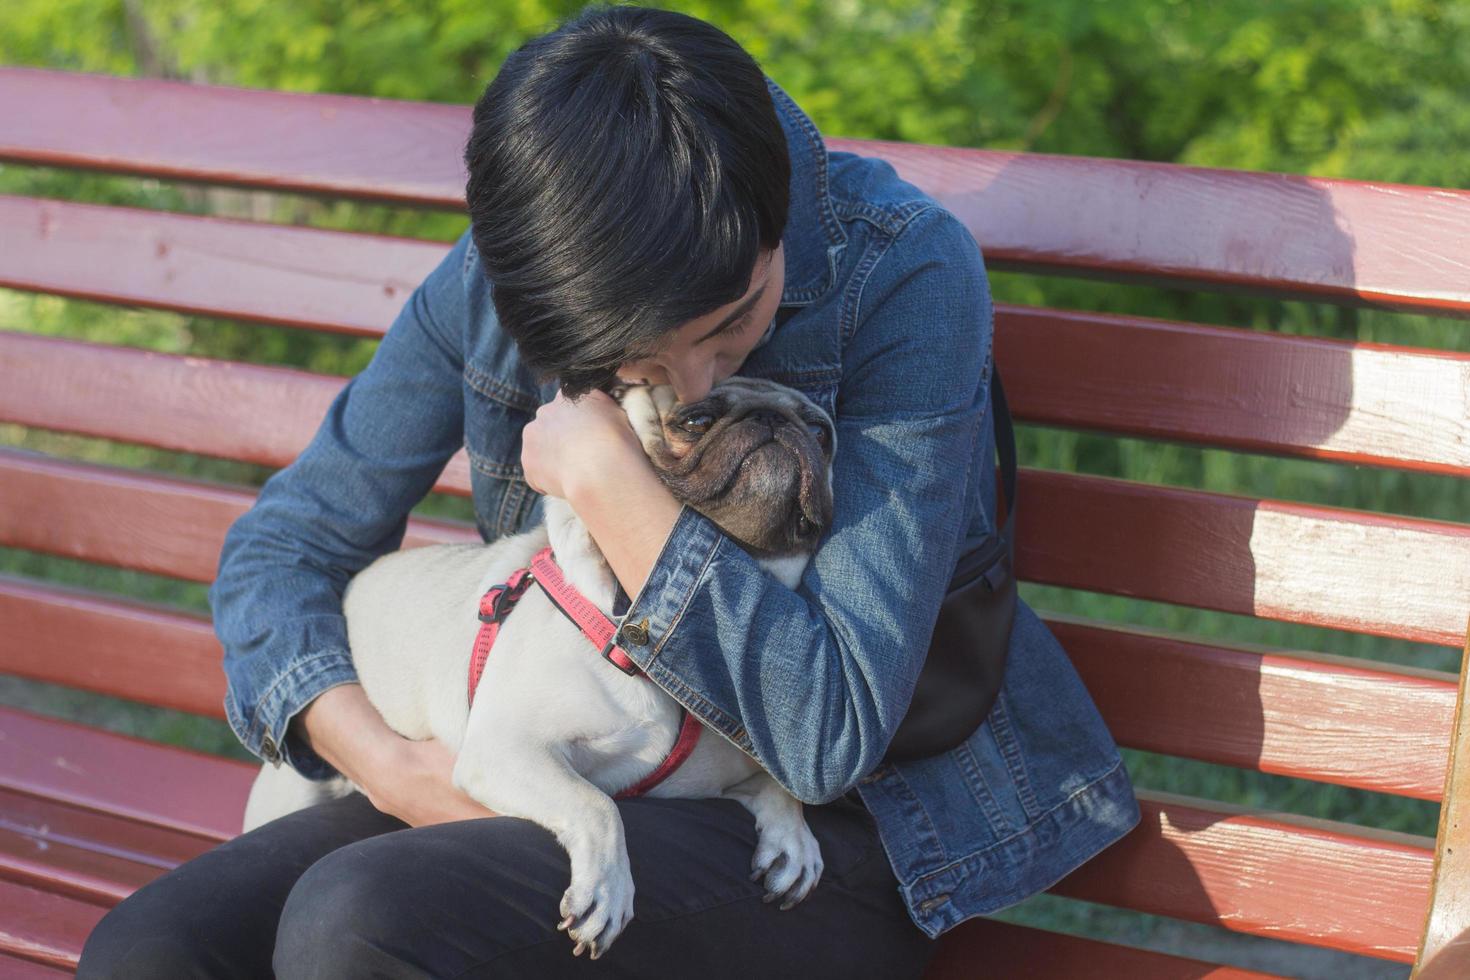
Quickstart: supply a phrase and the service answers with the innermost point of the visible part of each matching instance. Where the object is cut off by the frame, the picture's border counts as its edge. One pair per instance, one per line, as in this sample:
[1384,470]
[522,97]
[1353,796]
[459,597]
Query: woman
[648,206]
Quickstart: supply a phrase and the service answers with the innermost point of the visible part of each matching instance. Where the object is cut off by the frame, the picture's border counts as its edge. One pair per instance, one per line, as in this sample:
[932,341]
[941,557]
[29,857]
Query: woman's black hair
[625,171]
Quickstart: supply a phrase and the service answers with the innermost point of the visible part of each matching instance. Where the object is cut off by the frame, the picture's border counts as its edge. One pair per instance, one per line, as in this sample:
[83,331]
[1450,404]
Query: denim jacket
[886,321]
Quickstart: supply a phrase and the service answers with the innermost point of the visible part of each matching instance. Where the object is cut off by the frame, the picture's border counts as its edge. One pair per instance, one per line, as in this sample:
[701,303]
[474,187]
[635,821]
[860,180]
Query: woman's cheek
[727,362]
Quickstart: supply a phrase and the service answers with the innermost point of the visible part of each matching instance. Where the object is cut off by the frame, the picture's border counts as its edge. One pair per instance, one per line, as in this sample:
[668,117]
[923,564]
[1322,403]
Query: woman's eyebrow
[739,311]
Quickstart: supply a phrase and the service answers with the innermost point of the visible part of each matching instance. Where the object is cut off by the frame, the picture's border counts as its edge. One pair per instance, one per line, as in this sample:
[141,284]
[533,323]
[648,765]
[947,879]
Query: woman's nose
[691,385]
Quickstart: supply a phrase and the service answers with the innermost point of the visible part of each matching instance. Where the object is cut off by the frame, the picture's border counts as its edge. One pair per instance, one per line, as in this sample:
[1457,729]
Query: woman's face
[703,352]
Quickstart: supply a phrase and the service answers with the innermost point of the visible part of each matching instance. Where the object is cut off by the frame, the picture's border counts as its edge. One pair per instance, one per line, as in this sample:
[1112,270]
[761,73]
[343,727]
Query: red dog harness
[499,600]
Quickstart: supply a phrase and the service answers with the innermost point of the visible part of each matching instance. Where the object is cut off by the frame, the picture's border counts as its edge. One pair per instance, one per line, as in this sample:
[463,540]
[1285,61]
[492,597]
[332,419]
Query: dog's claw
[786,885]
[595,917]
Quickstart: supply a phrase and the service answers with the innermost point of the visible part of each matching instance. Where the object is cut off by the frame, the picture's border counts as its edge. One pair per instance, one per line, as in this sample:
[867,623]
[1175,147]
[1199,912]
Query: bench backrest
[1329,719]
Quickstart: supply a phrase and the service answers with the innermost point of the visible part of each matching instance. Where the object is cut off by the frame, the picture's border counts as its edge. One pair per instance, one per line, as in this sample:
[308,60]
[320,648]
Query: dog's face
[753,456]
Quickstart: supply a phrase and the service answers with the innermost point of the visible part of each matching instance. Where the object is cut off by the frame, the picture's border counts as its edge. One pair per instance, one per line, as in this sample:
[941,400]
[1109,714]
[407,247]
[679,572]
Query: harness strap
[689,728]
[499,600]
[588,618]
[495,605]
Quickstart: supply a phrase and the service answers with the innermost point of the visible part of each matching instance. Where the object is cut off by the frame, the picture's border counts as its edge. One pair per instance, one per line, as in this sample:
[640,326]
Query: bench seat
[91,815]
[87,816]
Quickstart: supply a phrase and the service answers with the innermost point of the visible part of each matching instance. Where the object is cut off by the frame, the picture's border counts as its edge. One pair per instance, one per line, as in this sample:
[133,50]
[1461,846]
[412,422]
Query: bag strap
[994,558]
[1005,444]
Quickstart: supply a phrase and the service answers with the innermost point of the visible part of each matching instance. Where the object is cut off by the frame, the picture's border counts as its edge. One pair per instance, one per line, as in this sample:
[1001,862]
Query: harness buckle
[501,599]
[492,599]
[631,669]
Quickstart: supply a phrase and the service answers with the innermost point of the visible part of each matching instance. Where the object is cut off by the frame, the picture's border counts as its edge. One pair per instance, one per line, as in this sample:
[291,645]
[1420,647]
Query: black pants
[344,890]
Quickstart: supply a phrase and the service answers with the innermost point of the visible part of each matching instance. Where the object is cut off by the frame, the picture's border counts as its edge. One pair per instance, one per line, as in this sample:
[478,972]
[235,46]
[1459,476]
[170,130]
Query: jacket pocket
[494,415]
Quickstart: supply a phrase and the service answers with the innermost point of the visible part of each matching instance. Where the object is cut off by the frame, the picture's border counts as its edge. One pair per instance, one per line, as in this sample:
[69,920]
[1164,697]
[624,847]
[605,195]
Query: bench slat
[1335,240]
[1313,716]
[63,868]
[121,839]
[1348,722]
[126,650]
[377,149]
[1266,873]
[991,948]
[94,857]
[177,789]
[1255,391]
[43,927]
[15,968]
[248,412]
[1272,559]
[134,520]
[1338,241]
[1313,399]
[296,277]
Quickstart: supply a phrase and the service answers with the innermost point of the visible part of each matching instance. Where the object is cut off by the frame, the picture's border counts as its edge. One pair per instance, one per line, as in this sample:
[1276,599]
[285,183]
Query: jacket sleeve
[277,597]
[814,681]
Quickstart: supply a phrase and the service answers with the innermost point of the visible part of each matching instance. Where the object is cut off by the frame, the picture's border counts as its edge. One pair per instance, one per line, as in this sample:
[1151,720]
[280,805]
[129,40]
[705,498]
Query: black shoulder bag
[962,673]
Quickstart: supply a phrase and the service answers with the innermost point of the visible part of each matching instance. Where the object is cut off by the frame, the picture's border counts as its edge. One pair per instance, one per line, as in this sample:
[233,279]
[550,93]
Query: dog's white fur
[554,729]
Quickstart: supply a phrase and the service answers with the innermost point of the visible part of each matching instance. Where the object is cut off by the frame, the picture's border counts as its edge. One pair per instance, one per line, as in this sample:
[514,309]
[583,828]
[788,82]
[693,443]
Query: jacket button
[934,902]
[636,633]
[268,746]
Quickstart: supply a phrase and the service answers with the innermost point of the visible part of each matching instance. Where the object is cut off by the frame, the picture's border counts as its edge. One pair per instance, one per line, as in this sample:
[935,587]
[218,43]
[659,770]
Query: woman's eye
[739,326]
[698,424]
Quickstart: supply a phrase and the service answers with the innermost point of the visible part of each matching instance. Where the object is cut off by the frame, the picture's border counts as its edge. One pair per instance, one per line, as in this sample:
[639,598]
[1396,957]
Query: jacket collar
[813,238]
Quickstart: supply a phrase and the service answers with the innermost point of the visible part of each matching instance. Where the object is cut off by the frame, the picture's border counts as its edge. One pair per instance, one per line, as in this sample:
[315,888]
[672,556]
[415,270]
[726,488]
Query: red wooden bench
[86,816]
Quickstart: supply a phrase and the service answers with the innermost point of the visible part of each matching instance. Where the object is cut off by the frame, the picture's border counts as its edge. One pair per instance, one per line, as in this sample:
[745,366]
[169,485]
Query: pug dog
[553,730]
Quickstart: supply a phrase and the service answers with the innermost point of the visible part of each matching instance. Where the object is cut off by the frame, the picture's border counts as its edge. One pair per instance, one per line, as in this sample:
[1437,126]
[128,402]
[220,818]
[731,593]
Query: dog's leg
[786,853]
[531,779]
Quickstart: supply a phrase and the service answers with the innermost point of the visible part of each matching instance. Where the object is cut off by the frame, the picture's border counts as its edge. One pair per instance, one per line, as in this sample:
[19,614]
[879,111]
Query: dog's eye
[698,423]
[804,527]
[820,431]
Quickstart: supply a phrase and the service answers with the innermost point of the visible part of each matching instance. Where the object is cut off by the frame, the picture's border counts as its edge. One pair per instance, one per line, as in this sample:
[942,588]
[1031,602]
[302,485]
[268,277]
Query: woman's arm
[277,597]
[586,453]
[814,681]
[629,518]
[411,780]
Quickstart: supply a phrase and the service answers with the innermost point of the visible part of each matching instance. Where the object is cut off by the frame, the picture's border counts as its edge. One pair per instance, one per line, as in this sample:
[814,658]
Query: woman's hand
[403,778]
[586,453]
[415,785]
[569,444]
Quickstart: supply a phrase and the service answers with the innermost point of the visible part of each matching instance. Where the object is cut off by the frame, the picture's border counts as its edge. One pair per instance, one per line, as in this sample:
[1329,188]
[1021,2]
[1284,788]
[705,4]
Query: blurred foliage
[1372,89]
[1365,89]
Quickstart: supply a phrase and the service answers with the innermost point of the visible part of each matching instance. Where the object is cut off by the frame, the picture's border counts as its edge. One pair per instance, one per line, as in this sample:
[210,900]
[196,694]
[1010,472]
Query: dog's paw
[790,861]
[595,909]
